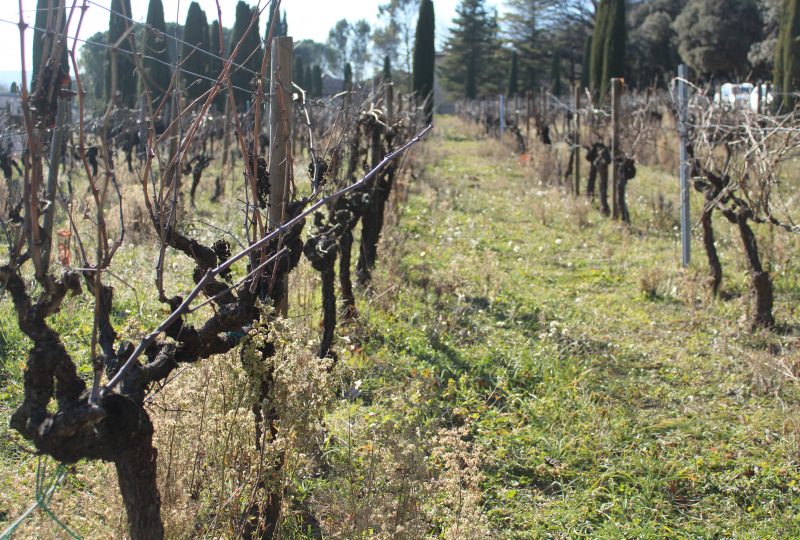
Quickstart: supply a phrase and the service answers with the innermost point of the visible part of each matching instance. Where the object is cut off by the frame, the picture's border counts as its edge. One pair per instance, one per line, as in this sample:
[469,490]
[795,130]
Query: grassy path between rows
[594,387]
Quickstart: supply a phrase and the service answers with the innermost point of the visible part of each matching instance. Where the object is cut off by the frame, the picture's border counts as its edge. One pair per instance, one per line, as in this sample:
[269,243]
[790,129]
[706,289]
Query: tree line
[554,44]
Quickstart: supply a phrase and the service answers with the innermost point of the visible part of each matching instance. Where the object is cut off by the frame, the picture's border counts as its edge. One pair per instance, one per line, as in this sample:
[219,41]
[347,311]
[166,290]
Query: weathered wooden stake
[576,143]
[528,107]
[616,94]
[280,137]
[59,134]
[686,224]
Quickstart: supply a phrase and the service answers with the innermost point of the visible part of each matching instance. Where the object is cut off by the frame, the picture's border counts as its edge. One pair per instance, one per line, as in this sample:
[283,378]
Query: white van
[733,95]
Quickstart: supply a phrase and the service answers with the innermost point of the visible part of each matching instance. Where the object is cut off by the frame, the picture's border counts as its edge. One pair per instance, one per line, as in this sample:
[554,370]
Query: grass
[607,395]
[522,368]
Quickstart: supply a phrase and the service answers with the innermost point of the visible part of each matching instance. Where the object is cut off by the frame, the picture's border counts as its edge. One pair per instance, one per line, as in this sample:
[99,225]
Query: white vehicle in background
[733,95]
[766,98]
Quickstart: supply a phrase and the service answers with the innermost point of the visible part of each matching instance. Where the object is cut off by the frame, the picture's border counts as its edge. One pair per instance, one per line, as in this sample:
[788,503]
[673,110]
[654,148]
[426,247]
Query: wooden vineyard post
[616,94]
[758,97]
[686,225]
[280,149]
[576,143]
[528,106]
[59,135]
[502,111]
[388,89]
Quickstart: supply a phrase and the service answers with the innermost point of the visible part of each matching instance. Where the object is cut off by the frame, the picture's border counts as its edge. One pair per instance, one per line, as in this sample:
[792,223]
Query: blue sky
[306,18]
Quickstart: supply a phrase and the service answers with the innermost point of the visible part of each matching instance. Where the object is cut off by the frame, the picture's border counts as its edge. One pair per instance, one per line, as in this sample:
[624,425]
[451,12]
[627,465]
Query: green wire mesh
[46,486]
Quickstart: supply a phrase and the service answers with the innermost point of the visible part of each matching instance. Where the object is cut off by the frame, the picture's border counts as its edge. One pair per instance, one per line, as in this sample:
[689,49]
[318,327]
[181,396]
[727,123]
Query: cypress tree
[348,77]
[194,62]
[387,68]
[587,59]
[614,46]
[318,88]
[598,44]
[215,64]
[778,64]
[249,54]
[47,9]
[308,80]
[425,57]
[299,70]
[513,77]
[789,50]
[126,68]
[284,25]
[276,32]
[155,62]
[555,74]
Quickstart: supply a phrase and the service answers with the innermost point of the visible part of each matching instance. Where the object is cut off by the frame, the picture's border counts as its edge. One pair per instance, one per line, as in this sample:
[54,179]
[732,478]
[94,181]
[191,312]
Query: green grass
[599,391]
[607,395]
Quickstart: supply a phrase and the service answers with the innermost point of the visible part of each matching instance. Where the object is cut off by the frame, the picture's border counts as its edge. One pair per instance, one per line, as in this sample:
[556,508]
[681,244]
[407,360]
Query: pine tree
[249,54]
[513,77]
[118,24]
[587,59]
[555,74]
[348,77]
[614,46]
[46,9]
[318,87]
[194,62]
[524,30]
[469,50]
[215,63]
[598,48]
[155,56]
[425,57]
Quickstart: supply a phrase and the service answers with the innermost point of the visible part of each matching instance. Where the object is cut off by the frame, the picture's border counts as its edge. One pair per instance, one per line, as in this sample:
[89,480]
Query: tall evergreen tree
[215,62]
[118,24]
[587,60]
[425,56]
[298,71]
[94,65]
[778,64]
[284,26]
[555,74]
[614,47]
[194,62]
[348,77]
[249,55]
[598,48]
[714,38]
[156,75]
[46,18]
[513,76]
[523,27]
[469,50]
[318,87]
[308,80]
[787,55]
[387,68]
[277,31]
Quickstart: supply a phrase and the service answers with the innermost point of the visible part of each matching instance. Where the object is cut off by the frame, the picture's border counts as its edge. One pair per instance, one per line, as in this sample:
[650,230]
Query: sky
[307,19]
